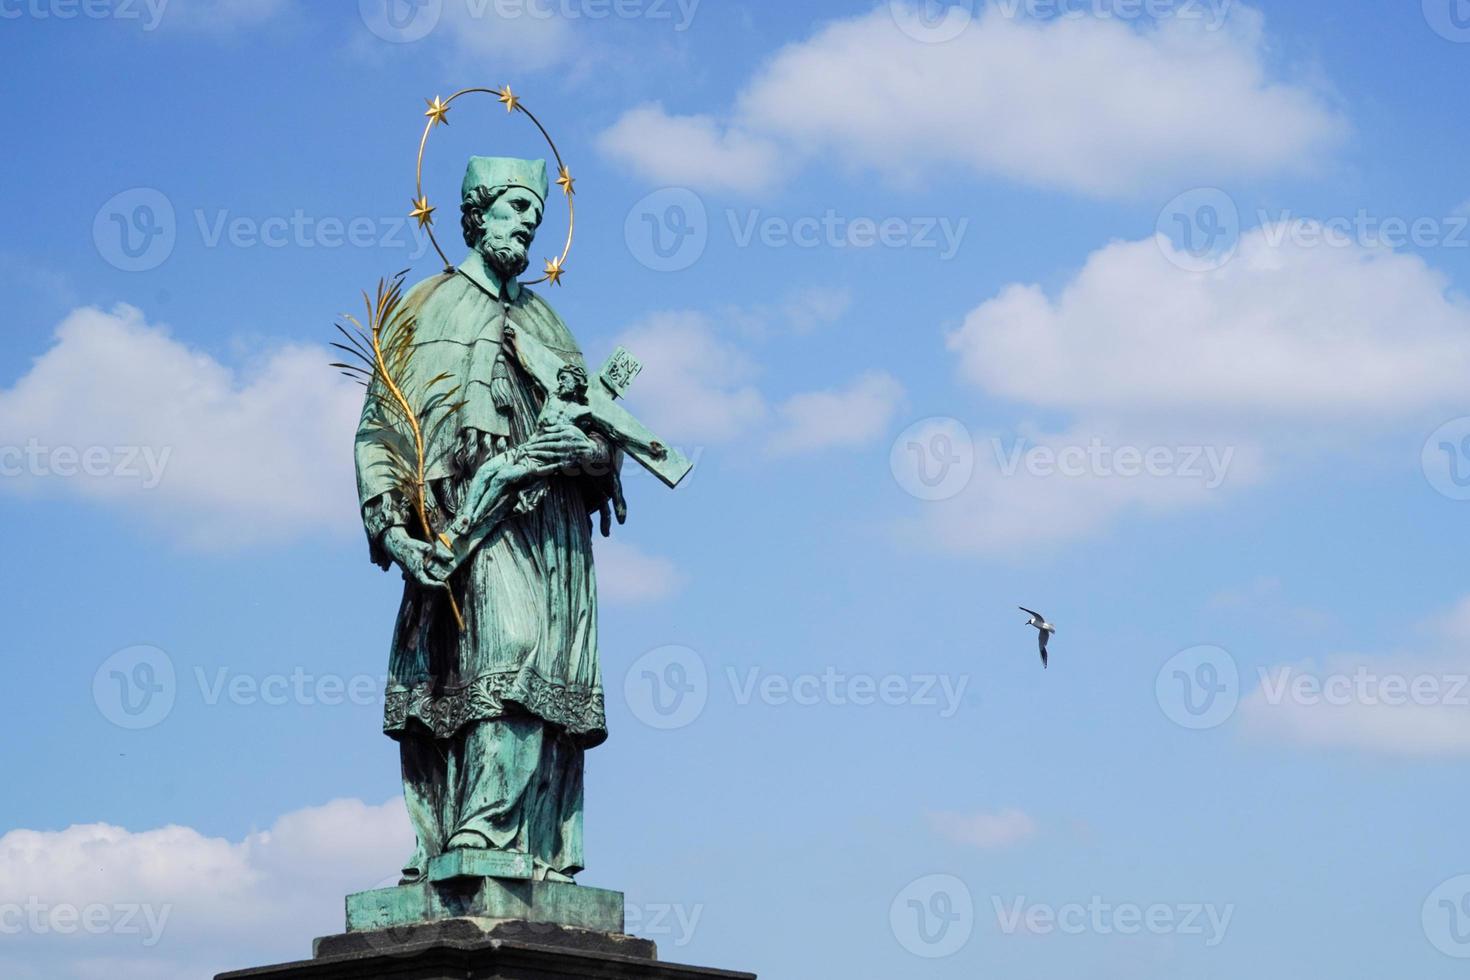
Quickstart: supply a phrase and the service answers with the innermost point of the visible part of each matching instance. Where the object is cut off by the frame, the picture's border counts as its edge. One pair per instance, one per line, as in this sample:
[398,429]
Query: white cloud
[667,149]
[1287,352]
[849,416]
[174,902]
[1088,104]
[1414,705]
[695,387]
[627,575]
[1004,828]
[214,455]
[1281,331]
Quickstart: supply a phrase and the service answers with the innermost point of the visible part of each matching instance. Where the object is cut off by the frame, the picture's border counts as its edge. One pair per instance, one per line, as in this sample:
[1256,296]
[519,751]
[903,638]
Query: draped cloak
[528,594]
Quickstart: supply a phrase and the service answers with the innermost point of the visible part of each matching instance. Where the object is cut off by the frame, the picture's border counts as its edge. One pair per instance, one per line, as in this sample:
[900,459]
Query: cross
[608,417]
[602,413]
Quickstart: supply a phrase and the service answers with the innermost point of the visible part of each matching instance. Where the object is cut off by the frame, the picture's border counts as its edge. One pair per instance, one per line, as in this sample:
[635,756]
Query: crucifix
[593,406]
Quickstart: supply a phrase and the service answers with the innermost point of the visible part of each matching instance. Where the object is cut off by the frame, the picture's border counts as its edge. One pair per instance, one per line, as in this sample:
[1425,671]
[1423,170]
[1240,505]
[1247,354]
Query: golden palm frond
[381,358]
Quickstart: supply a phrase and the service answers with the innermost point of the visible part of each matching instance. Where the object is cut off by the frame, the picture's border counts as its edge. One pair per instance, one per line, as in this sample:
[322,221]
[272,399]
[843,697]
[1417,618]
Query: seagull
[1044,630]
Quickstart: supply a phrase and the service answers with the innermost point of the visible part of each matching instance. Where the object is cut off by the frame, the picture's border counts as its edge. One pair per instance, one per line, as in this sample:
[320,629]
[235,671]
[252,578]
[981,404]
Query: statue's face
[509,227]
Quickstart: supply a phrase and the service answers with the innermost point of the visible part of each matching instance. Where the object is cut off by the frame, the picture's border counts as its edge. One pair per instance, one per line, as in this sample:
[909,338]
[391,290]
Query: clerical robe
[526,660]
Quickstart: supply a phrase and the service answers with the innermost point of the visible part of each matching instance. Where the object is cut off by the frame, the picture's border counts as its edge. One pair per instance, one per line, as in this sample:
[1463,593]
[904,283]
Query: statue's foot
[411,876]
[468,840]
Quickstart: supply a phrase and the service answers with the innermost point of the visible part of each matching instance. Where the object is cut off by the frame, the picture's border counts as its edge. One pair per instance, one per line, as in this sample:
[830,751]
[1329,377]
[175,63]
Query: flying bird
[1044,630]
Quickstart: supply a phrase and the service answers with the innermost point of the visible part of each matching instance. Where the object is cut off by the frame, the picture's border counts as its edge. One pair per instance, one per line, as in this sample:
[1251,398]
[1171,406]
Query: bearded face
[501,228]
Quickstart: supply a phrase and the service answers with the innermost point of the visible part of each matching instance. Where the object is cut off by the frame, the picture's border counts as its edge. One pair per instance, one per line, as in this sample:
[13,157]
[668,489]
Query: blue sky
[1149,316]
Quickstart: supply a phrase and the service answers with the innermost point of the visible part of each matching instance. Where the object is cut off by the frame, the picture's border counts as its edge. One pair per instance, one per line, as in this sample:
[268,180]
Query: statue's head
[502,200]
[571,383]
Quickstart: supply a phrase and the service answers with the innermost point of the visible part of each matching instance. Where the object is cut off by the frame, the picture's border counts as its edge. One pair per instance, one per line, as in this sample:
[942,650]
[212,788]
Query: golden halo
[423,212]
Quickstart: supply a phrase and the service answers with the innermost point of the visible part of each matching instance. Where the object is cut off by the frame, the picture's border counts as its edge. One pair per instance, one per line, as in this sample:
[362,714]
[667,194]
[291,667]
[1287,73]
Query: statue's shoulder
[551,329]
[447,306]
[423,292]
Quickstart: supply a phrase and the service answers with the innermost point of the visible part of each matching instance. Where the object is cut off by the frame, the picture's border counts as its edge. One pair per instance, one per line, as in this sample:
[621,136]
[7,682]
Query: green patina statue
[495,688]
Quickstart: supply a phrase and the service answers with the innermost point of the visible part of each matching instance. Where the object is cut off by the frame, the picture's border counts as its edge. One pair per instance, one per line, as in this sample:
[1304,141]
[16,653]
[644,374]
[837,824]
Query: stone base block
[472,950]
[460,896]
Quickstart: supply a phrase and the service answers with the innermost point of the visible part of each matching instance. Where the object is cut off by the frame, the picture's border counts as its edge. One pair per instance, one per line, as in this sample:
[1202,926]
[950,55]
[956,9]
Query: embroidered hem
[576,708]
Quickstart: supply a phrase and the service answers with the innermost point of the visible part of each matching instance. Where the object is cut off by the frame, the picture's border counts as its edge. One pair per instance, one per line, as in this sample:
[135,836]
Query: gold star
[566,181]
[508,99]
[422,211]
[438,109]
[553,272]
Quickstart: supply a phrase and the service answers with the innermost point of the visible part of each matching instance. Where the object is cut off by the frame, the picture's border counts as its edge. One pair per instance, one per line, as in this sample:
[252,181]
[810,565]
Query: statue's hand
[560,445]
[422,563]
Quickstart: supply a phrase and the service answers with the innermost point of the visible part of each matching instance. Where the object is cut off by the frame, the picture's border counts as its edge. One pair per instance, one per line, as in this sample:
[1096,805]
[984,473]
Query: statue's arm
[384,507]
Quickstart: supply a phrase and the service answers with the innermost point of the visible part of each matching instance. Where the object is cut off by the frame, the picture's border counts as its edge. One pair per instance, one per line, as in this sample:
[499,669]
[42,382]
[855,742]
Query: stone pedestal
[465,927]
